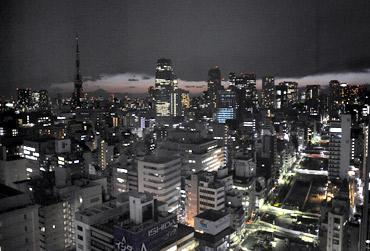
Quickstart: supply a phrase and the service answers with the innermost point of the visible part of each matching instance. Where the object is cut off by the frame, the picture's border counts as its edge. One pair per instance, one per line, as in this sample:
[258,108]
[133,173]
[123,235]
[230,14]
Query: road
[283,220]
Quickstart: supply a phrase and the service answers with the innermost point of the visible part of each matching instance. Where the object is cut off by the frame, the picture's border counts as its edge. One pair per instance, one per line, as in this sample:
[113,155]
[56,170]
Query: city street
[292,217]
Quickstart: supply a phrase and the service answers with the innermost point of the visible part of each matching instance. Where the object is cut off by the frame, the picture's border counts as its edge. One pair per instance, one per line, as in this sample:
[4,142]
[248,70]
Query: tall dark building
[268,92]
[77,94]
[246,94]
[247,84]
[312,92]
[232,77]
[251,91]
[214,86]
[334,97]
[267,152]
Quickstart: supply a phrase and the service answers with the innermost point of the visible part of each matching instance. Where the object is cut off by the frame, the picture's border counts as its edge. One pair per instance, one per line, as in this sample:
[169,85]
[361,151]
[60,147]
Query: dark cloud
[291,38]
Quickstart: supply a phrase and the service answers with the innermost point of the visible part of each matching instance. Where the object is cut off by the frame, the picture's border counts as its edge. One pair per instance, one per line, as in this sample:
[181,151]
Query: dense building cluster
[279,168]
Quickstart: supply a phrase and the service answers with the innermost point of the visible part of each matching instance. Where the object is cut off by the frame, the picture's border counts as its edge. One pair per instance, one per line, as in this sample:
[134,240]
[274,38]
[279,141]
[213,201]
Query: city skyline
[136,83]
[211,125]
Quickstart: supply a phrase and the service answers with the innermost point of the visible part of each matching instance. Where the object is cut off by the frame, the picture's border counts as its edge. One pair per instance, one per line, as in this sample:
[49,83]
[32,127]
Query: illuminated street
[292,218]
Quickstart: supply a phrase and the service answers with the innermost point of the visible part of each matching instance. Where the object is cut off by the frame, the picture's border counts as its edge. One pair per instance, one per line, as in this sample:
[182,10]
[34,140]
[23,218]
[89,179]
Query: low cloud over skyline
[283,38]
[139,83]
[125,83]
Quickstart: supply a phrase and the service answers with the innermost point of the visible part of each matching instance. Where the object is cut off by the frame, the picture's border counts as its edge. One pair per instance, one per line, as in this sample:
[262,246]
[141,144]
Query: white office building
[203,191]
[340,147]
[197,153]
[160,176]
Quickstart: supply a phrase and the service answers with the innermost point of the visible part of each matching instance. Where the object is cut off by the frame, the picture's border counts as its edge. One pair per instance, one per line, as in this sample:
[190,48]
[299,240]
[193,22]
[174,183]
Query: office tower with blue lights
[226,106]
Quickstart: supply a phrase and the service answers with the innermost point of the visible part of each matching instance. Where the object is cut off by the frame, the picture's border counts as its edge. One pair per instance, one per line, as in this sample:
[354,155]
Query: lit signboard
[149,238]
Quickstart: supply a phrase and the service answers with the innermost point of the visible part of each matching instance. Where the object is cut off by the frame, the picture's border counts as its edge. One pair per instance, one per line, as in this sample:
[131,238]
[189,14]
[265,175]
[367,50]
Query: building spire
[77,94]
[77,59]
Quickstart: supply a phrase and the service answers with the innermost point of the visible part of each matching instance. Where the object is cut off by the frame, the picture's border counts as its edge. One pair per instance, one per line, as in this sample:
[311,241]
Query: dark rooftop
[159,159]
[6,191]
[211,215]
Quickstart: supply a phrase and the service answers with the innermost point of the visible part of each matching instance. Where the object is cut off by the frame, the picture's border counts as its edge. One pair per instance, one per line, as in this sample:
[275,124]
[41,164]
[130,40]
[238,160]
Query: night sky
[288,39]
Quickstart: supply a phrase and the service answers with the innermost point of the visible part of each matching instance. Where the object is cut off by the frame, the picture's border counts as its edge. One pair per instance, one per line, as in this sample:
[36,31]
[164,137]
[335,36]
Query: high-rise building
[164,75]
[214,86]
[312,92]
[24,99]
[286,94]
[267,152]
[341,95]
[334,89]
[340,147]
[197,153]
[244,86]
[224,113]
[40,100]
[203,191]
[167,98]
[185,100]
[58,204]
[160,176]
[105,154]
[176,103]
[281,100]
[268,92]
[232,78]
[365,220]
[77,94]
[247,98]
[226,106]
